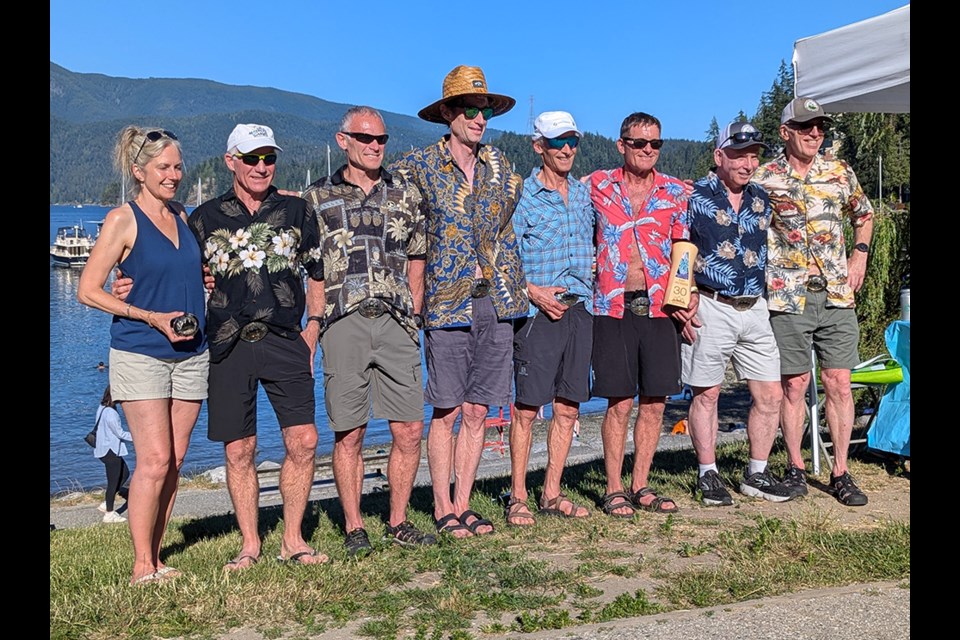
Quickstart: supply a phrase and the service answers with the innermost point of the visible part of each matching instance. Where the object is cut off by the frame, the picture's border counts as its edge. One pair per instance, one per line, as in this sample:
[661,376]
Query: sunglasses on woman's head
[153,136]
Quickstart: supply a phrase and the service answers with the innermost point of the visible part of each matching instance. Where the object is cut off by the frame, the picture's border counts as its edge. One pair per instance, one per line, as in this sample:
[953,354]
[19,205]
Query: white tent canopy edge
[862,67]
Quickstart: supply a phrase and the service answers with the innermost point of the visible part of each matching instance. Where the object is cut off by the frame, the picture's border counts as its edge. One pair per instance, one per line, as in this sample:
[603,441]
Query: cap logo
[811,105]
[258,132]
[478,84]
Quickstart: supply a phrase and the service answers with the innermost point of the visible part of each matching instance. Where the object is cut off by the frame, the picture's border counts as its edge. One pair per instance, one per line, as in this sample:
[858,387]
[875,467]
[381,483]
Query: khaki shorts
[370,363]
[138,377]
[832,332]
[745,337]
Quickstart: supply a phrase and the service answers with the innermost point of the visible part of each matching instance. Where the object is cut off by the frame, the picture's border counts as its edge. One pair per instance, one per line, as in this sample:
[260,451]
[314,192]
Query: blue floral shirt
[556,237]
[465,229]
[731,245]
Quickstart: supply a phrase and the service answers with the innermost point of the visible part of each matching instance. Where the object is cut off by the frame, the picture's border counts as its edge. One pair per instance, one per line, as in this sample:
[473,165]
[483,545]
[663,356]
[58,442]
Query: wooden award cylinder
[683,255]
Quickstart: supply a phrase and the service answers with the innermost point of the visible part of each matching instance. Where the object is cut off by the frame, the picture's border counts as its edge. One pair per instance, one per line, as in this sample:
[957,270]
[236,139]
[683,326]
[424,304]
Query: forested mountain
[87,111]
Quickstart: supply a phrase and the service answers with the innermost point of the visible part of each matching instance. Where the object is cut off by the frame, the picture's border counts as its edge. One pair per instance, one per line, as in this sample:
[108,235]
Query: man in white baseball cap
[552,344]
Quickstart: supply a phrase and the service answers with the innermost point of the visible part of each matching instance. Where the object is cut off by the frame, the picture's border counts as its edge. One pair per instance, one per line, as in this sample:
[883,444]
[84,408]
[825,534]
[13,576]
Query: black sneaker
[764,484]
[357,542]
[846,490]
[795,479]
[407,535]
[712,491]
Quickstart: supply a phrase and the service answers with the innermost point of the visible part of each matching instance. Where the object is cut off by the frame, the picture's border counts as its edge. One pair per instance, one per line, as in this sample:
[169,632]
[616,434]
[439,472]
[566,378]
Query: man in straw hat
[474,287]
[636,345]
[811,284]
[729,217]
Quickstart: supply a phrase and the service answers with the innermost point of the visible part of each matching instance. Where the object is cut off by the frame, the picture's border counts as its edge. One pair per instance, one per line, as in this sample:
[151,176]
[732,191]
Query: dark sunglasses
[807,127]
[640,143]
[560,143]
[366,138]
[153,136]
[745,136]
[253,159]
[471,112]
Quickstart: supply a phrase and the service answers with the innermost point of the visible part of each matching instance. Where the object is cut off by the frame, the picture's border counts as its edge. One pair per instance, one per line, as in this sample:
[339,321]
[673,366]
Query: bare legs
[461,458]
[646,434]
[348,470]
[838,410]
[296,480]
[161,435]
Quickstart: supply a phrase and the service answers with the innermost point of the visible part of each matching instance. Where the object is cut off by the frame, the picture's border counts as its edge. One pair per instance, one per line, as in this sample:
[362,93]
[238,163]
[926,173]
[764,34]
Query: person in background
[729,216]
[811,282]
[474,288]
[372,237]
[255,242]
[110,449]
[158,374]
[551,346]
[636,345]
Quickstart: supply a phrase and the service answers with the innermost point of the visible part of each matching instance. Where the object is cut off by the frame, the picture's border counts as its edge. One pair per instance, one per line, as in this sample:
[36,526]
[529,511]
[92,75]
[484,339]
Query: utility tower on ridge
[530,123]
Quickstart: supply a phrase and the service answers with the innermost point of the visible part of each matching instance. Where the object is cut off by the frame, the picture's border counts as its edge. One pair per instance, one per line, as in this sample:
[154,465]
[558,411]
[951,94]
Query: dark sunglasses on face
[807,127]
[471,112]
[640,143]
[366,138]
[746,136]
[153,136]
[560,143]
[253,159]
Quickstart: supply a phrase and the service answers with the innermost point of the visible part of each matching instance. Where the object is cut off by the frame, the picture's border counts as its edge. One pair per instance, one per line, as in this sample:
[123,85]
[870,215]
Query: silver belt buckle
[480,289]
[744,303]
[568,298]
[816,283]
[253,332]
[372,308]
[640,306]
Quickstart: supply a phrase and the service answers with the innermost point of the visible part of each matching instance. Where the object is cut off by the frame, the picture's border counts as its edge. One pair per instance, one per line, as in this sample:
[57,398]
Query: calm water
[80,338]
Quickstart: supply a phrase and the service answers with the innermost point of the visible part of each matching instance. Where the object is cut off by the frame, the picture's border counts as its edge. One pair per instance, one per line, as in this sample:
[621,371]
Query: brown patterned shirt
[366,241]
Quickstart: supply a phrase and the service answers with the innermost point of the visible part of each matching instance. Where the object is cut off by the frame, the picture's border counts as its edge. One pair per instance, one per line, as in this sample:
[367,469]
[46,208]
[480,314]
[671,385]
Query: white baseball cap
[551,124]
[247,137]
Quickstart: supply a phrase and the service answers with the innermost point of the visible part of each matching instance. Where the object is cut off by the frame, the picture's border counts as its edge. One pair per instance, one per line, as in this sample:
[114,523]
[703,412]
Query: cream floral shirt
[807,226]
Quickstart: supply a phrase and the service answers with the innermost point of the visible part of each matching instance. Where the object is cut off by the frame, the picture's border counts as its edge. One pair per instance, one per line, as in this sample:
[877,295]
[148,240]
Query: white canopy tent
[863,67]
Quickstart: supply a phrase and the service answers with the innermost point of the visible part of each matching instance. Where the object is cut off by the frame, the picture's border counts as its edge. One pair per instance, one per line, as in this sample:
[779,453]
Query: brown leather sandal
[554,507]
[514,511]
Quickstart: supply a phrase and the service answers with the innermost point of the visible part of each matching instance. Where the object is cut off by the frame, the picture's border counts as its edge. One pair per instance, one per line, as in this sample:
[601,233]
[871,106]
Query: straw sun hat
[465,81]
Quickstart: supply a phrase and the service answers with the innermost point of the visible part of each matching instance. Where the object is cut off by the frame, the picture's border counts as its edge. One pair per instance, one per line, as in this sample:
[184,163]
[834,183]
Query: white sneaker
[103,507]
[113,516]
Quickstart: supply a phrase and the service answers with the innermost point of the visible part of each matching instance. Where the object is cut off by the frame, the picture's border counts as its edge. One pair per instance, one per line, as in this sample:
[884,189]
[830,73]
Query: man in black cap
[729,216]
[474,287]
[811,284]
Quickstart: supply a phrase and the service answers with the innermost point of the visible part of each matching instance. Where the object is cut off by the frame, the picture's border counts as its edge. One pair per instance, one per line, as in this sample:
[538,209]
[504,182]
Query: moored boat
[71,247]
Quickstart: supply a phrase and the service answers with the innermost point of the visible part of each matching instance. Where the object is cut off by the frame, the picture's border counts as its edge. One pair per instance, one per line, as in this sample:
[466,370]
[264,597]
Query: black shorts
[281,365]
[635,355]
[551,358]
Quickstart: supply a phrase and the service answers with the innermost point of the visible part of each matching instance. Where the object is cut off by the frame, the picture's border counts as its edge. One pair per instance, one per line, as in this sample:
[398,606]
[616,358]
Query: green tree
[772,102]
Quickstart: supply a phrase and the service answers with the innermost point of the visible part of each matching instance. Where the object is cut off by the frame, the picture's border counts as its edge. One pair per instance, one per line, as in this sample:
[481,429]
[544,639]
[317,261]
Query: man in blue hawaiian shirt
[729,216]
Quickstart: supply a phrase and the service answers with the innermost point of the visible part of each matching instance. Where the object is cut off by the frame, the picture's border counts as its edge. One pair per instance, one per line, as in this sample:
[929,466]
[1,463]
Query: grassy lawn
[556,574]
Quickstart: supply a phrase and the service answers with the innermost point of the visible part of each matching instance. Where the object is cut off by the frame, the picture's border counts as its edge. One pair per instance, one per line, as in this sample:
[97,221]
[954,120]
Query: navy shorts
[551,358]
[635,354]
[281,365]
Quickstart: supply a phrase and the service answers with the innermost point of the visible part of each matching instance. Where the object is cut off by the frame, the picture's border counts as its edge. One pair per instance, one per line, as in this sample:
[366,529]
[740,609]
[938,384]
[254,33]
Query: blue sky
[685,62]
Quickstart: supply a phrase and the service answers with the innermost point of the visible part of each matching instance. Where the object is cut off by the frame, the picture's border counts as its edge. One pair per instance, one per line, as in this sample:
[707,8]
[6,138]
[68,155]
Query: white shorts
[745,337]
[134,376]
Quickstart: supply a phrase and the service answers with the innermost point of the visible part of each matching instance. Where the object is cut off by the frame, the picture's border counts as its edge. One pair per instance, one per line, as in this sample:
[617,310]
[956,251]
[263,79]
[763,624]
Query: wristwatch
[862,246]
[317,318]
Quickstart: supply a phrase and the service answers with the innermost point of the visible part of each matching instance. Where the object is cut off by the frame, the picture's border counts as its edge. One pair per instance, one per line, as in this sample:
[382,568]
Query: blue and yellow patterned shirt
[465,229]
[731,245]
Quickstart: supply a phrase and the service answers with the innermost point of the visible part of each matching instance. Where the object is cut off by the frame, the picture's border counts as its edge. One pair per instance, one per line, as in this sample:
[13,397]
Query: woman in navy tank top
[158,344]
